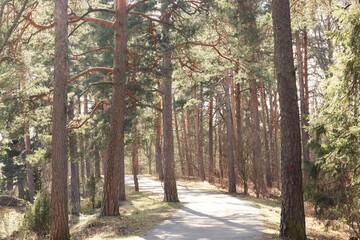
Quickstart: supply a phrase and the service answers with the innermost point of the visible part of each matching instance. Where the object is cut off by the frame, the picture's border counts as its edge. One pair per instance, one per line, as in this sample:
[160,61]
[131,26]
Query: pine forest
[230,119]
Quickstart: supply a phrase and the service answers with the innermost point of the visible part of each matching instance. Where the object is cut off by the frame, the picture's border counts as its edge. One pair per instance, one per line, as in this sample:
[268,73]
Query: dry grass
[270,212]
[316,229]
[10,221]
[141,212]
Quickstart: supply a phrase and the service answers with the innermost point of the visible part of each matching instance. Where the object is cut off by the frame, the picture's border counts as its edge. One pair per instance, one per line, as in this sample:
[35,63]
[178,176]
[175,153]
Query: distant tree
[292,224]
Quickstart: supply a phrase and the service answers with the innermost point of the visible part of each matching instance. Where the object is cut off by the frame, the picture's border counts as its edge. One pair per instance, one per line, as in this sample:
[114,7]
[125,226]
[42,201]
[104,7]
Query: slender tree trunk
[74,166]
[230,138]
[114,183]
[240,123]
[187,152]
[85,141]
[211,142]
[29,168]
[199,141]
[149,154]
[256,140]
[305,113]
[292,223]
[82,157]
[180,151]
[268,175]
[59,159]
[220,136]
[135,159]
[97,162]
[166,69]
[158,147]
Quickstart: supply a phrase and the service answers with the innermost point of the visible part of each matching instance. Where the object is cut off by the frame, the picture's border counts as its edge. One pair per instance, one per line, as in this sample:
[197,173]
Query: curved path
[205,215]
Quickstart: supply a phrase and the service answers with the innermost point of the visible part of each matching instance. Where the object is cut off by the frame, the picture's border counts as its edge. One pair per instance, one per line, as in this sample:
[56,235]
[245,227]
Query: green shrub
[37,215]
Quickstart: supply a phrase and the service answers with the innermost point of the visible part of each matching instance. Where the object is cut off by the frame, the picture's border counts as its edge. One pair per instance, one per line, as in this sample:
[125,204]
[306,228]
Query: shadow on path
[205,215]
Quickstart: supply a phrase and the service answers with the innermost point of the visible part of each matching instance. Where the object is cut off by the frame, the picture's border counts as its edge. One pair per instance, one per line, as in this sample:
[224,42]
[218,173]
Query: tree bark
[166,69]
[82,157]
[74,166]
[230,138]
[97,163]
[114,183]
[240,126]
[258,177]
[29,168]
[211,141]
[292,223]
[59,229]
[180,149]
[199,141]
[268,174]
[190,171]
[85,141]
[158,147]
[135,159]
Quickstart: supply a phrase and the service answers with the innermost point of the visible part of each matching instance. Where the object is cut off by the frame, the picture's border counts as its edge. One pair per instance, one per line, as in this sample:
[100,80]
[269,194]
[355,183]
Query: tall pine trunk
[74,166]
[268,174]
[230,138]
[179,147]
[258,176]
[170,188]
[292,223]
[189,166]
[211,142]
[59,229]
[158,146]
[199,140]
[114,183]
[135,159]
[240,128]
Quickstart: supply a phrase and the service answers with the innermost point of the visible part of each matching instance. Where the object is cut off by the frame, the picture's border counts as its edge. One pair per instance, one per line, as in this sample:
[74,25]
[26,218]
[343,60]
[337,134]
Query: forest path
[205,215]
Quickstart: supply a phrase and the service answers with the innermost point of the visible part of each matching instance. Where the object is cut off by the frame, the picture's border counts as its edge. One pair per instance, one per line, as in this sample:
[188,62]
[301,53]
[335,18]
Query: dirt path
[205,215]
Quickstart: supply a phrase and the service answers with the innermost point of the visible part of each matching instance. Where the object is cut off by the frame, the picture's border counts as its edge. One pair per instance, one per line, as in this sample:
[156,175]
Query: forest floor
[145,216]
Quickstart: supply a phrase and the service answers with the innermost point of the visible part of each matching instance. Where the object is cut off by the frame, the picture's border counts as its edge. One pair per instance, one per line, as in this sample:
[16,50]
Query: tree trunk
[82,158]
[85,141]
[305,104]
[158,146]
[59,159]
[199,141]
[292,223]
[211,142]
[268,175]
[29,168]
[180,150]
[190,171]
[97,163]
[230,138]
[135,159]
[114,183]
[148,153]
[220,136]
[258,178]
[166,69]
[74,166]
[240,123]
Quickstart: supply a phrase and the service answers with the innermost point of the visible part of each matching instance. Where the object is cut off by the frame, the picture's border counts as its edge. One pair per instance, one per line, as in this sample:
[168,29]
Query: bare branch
[13,26]
[90,70]
[103,101]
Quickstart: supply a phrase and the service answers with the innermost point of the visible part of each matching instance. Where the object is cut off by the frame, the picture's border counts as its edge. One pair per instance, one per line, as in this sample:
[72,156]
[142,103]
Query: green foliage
[335,187]
[37,216]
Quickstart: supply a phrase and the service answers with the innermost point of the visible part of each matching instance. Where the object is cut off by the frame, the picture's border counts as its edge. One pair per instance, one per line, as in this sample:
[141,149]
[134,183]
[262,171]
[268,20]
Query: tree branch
[103,101]
[90,70]
[134,5]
